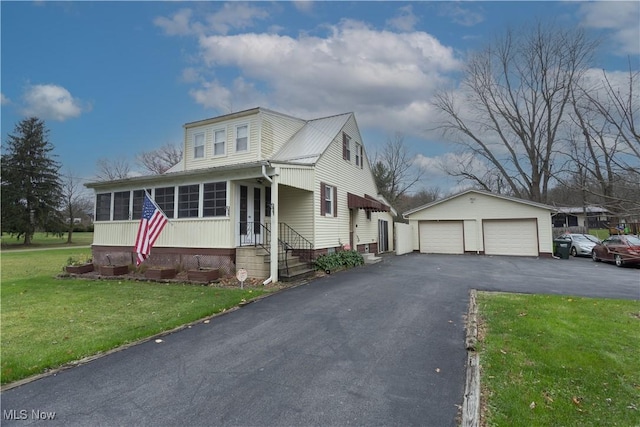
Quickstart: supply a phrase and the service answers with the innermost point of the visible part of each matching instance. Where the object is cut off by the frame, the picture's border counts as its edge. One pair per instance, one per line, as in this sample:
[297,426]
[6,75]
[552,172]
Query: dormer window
[219,142]
[198,145]
[242,138]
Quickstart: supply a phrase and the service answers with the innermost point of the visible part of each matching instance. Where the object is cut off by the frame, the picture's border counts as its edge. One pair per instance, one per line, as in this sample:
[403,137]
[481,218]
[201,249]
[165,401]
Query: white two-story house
[257,181]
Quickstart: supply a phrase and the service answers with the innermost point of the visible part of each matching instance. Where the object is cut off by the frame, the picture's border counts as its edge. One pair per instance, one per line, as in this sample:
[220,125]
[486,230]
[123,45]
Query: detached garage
[480,222]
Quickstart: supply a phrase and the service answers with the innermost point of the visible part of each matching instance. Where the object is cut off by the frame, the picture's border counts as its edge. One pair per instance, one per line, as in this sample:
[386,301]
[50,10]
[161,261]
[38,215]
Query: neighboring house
[482,223]
[253,179]
[588,216]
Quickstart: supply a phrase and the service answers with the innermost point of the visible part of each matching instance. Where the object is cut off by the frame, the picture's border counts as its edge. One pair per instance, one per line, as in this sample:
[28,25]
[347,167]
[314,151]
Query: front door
[250,213]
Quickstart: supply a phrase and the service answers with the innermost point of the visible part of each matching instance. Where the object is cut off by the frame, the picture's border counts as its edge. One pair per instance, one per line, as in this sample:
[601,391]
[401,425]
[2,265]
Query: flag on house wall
[152,222]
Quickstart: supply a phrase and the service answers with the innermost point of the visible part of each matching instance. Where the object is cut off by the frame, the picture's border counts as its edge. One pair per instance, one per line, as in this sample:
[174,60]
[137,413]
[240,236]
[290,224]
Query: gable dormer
[237,138]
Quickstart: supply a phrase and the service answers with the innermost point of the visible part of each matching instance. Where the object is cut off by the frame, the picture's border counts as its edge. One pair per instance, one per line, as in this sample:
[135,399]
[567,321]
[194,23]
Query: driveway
[375,345]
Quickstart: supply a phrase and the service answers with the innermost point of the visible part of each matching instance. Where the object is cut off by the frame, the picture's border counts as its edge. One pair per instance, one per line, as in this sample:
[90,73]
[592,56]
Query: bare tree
[605,148]
[75,202]
[468,168]
[160,160]
[516,93]
[393,169]
[112,169]
[620,109]
[419,198]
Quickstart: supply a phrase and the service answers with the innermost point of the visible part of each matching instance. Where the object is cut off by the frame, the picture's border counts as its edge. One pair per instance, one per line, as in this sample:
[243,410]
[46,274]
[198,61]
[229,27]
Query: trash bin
[562,248]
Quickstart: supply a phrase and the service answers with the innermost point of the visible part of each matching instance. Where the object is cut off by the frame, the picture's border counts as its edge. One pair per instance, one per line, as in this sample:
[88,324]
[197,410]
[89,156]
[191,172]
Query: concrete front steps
[256,261]
[297,269]
[370,258]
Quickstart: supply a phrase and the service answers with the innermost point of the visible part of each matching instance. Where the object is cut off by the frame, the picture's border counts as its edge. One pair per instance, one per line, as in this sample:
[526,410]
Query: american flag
[152,222]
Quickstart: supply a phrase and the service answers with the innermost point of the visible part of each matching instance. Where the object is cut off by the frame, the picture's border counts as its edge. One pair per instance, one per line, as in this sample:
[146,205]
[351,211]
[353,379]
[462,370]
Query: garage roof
[487,193]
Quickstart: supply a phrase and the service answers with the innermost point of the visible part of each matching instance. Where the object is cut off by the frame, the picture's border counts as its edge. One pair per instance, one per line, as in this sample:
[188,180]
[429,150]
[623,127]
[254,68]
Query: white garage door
[441,237]
[512,237]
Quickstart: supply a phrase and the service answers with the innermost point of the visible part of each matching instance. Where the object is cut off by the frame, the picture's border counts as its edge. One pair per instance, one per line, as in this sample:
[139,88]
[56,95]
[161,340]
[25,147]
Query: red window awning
[367,203]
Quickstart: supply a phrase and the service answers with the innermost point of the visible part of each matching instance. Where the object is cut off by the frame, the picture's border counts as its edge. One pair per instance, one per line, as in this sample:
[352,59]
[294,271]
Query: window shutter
[335,201]
[322,209]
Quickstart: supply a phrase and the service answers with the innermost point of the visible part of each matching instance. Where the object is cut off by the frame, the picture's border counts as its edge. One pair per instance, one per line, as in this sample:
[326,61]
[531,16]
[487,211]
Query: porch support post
[274,227]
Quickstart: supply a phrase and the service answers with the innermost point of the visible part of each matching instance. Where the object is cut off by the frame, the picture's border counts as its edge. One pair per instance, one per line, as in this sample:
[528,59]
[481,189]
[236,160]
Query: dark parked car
[623,249]
[581,244]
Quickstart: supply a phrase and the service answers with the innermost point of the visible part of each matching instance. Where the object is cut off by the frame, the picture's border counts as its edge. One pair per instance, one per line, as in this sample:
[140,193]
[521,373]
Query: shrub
[336,260]
[350,258]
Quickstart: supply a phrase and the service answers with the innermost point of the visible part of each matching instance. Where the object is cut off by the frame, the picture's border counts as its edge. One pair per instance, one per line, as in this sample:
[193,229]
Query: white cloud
[230,16]
[461,15]
[190,75]
[405,20]
[4,100]
[51,102]
[240,96]
[303,5]
[387,77]
[235,16]
[620,17]
[178,25]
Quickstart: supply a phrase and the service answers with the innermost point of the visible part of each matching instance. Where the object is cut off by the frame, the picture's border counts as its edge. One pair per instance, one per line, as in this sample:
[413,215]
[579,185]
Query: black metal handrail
[255,234]
[290,241]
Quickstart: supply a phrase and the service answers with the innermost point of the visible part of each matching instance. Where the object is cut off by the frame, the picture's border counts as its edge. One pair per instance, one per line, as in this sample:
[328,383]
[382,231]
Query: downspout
[274,243]
[264,173]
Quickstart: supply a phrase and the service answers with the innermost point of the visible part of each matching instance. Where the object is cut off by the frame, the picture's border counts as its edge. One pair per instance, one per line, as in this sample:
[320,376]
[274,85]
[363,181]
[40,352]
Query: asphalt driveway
[375,345]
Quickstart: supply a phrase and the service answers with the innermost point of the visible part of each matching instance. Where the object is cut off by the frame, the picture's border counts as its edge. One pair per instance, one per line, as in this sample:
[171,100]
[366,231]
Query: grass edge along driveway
[48,322]
[558,360]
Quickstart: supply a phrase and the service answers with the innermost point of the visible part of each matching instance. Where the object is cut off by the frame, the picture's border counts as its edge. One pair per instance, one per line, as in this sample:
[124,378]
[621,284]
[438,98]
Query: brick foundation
[178,258]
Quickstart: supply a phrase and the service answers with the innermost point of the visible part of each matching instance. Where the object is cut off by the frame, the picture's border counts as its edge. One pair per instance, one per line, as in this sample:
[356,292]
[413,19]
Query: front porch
[295,254]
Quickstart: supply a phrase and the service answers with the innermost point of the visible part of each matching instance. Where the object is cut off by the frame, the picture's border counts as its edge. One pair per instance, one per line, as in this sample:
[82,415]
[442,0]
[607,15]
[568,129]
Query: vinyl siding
[231,156]
[196,233]
[296,210]
[348,178]
[302,178]
[276,131]
[268,132]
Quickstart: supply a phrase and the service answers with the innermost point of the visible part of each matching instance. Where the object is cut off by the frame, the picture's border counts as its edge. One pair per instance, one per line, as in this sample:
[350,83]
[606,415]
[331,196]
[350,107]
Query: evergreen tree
[31,188]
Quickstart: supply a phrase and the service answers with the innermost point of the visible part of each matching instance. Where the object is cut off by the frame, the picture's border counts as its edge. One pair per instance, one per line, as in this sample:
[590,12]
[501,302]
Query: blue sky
[113,79]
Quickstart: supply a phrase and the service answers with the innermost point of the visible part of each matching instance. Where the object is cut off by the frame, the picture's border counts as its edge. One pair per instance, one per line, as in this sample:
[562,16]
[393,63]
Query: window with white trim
[242,138]
[328,200]
[103,207]
[165,198]
[214,199]
[219,142]
[359,159]
[346,147]
[121,201]
[198,145]
[188,201]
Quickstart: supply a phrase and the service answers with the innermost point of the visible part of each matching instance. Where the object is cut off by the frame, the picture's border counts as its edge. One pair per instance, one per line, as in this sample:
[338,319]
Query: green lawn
[47,322]
[47,240]
[559,361]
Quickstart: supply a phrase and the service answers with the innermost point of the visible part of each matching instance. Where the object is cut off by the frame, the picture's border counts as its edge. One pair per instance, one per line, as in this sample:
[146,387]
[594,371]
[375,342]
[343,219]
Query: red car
[621,249]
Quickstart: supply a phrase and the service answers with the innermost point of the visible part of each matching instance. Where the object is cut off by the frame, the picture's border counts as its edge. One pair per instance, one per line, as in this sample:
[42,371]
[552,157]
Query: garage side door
[513,237]
[441,237]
